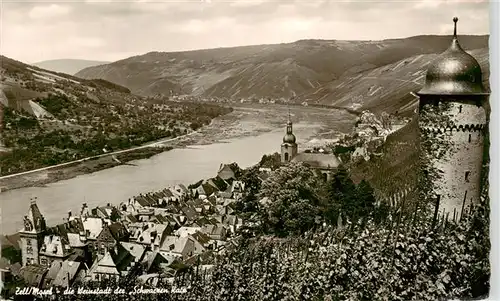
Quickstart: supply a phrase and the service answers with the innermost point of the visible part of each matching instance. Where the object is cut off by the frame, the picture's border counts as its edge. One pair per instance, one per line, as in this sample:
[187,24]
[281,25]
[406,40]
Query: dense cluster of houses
[161,232]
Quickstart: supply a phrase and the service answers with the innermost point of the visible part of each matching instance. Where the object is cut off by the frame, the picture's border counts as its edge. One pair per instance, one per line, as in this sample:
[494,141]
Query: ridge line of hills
[376,75]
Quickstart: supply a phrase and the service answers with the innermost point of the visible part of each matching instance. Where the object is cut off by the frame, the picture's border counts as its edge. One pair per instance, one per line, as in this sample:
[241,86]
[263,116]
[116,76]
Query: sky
[109,30]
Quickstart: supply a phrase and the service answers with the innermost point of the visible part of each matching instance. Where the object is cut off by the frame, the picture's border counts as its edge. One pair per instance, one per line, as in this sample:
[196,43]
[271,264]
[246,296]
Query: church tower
[452,122]
[289,146]
[32,235]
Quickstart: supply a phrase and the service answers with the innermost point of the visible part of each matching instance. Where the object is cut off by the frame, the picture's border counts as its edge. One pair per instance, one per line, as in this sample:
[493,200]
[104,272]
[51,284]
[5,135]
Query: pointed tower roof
[34,222]
[454,72]
[289,136]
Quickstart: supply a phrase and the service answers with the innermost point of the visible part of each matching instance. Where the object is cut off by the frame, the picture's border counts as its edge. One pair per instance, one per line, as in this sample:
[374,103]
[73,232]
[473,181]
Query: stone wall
[452,135]
[393,175]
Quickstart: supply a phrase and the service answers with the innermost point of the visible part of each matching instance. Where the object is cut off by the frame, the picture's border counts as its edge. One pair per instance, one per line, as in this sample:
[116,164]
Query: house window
[43,261]
[470,137]
[467,173]
[172,247]
[29,250]
[286,156]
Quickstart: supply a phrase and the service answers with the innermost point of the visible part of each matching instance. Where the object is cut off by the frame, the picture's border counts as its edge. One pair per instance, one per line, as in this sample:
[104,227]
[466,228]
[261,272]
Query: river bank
[245,121]
[44,177]
[243,136]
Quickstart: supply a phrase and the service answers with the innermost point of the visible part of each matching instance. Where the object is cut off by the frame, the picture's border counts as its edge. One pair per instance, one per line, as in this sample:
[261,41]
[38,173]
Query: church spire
[455,20]
[289,118]
[289,123]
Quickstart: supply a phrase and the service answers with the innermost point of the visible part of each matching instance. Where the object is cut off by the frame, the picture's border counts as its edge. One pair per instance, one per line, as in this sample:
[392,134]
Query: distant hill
[47,118]
[307,70]
[386,88]
[21,84]
[68,66]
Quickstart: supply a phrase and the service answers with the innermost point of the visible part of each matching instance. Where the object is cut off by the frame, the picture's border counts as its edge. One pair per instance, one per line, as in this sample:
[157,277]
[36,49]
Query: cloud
[114,29]
[48,11]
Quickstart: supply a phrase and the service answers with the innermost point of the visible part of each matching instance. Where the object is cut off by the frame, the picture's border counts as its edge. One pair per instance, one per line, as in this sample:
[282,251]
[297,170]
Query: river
[115,185]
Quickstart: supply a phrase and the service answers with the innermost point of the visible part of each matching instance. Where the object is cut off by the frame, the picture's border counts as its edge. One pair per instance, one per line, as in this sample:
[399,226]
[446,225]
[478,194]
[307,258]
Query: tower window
[467,173]
[460,109]
[286,156]
[470,138]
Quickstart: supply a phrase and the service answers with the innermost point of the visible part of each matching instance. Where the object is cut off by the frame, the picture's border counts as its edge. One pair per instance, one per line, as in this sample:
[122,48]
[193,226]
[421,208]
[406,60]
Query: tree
[291,191]
[249,203]
[355,201]
[341,195]
[271,161]
[365,201]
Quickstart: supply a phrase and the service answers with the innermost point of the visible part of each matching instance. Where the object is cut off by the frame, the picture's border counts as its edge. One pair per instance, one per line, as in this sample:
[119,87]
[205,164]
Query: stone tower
[32,234]
[452,122]
[289,146]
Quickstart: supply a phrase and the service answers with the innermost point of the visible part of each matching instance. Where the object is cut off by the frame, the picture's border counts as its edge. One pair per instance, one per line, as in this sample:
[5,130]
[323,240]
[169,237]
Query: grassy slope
[283,70]
[87,116]
[68,66]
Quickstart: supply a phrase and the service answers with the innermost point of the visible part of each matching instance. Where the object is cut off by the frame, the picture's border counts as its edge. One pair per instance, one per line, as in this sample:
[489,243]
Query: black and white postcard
[245,150]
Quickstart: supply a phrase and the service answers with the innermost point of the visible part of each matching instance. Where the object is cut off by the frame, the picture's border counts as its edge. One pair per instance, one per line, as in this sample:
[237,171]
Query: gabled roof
[131,218]
[181,187]
[122,258]
[34,222]
[135,249]
[33,275]
[75,240]
[118,230]
[178,243]
[55,246]
[67,273]
[94,225]
[53,270]
[202,238]
[185,231]
[160,219]
[145,235]
[168,193]
[104,264]
[10,241]
[189,212]
[225,172]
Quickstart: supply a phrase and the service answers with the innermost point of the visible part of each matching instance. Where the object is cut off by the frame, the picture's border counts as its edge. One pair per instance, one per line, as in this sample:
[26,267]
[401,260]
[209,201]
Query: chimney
[69,214]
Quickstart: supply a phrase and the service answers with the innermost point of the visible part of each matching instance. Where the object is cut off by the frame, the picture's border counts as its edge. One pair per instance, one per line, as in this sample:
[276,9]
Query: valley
[374,75]
[246,120]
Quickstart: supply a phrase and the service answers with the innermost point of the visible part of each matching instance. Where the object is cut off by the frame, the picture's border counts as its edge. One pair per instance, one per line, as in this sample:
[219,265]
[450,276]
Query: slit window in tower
[286,156]
[460,109]
[470,138]
[467,173]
